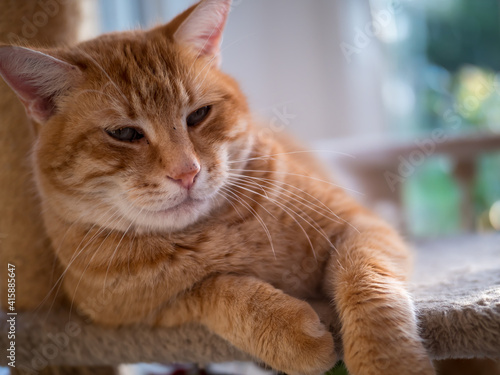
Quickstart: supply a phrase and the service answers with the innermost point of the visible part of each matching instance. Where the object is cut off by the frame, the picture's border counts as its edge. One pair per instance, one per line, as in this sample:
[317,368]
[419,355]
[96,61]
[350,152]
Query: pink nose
[186,178]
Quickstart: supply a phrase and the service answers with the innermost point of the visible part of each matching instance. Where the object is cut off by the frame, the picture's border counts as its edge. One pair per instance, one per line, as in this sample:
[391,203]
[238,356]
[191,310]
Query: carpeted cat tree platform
[456,288]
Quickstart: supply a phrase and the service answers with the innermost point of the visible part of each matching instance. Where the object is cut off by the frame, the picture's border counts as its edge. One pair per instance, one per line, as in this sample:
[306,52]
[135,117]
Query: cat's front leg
[366,279]
[276,328]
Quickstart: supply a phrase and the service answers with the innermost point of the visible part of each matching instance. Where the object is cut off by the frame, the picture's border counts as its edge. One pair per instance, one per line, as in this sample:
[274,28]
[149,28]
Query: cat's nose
[187,176]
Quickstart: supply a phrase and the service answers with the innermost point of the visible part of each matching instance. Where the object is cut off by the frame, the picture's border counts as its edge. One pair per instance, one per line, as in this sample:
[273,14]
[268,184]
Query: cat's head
[135,129]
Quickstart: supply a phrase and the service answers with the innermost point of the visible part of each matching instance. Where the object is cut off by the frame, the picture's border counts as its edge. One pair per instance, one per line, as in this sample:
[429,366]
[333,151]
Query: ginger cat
[155,183]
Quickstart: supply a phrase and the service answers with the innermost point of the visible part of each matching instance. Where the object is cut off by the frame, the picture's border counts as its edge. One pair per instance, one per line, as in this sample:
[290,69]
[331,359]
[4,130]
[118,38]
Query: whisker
[253,200]
[294,152]
[95,252]
[56,251]
[117,246]
[221,193]
[312,222]
[273,182]
[297,175]
[286,210]
[77,253]
[228,190]
[279,190]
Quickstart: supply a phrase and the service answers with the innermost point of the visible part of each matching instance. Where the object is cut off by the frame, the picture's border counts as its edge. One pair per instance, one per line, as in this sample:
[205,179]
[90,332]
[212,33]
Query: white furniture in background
[377,168]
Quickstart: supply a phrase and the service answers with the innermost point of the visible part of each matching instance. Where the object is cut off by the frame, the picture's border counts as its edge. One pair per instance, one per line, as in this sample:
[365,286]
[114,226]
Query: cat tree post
[23,241]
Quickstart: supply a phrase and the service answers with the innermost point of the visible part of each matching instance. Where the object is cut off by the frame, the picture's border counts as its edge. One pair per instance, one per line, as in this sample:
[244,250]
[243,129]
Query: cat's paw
[410,364]
[408,358]
[298,343]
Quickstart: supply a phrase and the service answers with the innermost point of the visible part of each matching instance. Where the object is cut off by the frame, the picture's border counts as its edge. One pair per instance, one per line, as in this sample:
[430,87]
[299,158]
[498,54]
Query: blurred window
[118,15]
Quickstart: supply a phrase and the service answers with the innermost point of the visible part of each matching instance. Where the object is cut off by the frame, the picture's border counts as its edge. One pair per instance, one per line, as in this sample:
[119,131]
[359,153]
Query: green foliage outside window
[460,92]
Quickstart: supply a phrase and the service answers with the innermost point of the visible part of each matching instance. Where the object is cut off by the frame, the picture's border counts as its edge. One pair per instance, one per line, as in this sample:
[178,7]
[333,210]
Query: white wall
[287,53]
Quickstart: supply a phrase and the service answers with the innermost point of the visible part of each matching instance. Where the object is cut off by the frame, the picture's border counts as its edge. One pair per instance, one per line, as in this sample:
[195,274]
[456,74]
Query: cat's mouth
[185,206]
[178,216]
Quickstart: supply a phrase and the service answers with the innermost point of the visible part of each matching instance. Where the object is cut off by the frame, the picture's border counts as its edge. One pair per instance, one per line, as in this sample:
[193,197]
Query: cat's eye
[126,134]
[197,116]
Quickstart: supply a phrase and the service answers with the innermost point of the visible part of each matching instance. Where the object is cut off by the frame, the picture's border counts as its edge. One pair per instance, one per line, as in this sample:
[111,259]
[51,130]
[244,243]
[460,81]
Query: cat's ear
[203,27]
[37,79]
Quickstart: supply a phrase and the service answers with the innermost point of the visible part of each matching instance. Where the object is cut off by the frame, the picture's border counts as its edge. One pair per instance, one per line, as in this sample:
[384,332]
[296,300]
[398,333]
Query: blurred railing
[378,168]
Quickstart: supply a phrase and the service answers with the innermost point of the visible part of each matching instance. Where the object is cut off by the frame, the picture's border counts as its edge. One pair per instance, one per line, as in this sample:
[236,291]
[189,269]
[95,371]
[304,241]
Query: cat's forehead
[146,72]
[136,60]
[145,79]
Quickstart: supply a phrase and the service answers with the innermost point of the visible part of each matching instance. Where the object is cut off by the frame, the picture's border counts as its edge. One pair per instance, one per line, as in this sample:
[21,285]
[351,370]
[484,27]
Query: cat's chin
[174,218]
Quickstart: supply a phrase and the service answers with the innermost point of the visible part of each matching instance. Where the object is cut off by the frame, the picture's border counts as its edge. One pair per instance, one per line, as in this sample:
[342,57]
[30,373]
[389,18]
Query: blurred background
[401,97]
